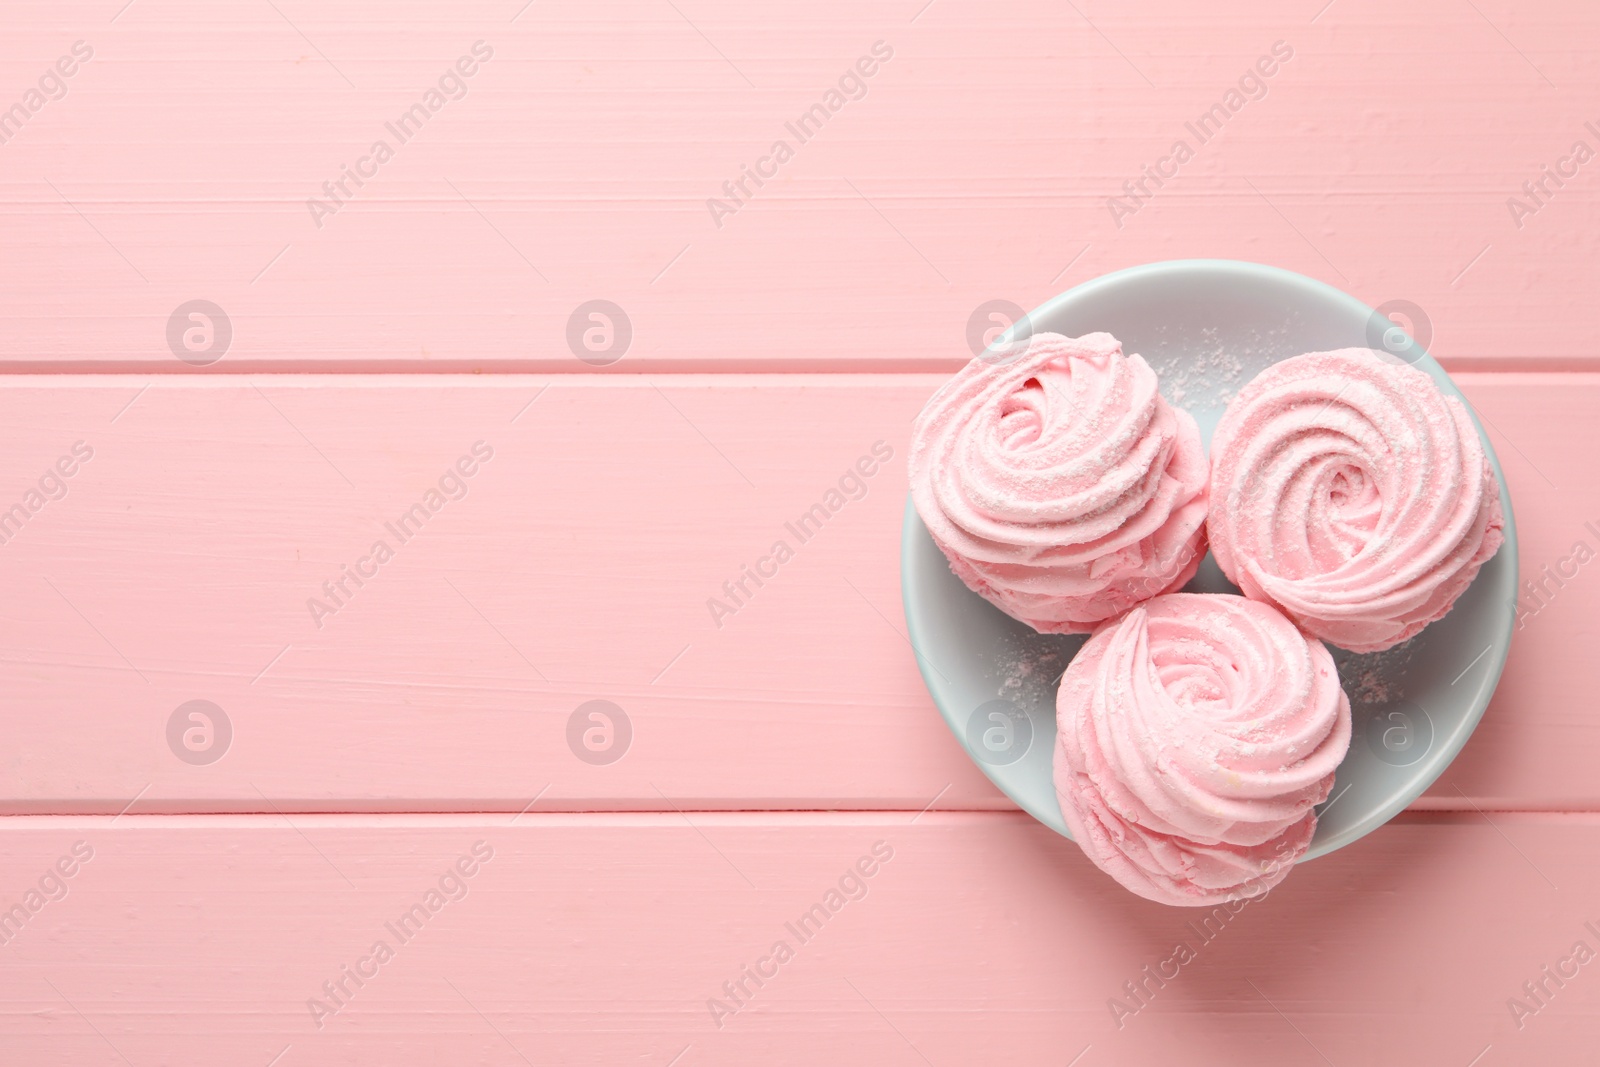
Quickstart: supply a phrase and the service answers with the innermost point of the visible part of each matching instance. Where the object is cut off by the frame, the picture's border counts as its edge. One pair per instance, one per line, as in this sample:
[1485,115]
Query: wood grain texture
[600,939]
[577,566]
[426,709]
[979,164]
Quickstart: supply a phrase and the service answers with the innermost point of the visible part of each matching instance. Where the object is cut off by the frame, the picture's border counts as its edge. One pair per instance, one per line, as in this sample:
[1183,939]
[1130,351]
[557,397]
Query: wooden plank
[601,939]
[979,164]
[577,567]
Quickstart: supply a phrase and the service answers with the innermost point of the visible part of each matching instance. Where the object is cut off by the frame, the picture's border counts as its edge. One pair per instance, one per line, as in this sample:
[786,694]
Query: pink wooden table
[385,842]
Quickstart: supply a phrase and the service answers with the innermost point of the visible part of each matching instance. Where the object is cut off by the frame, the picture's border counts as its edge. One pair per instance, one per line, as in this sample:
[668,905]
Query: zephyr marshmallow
[1351,493]
[1195,735]
[1060,485]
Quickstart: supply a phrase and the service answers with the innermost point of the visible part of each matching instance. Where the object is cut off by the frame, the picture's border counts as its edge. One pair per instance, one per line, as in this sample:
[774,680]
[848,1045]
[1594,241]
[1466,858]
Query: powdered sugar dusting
[1204,373]
[1029,667]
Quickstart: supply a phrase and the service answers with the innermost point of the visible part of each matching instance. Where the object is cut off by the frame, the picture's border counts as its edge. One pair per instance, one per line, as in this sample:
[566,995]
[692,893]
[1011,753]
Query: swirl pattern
[1353,495]
[1061,486]
[1195,735]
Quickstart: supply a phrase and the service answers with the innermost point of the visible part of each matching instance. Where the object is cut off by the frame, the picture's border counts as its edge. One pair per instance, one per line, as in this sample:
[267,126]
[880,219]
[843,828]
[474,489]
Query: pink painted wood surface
[600,939]
[177,164]
[577,566]
[978,165]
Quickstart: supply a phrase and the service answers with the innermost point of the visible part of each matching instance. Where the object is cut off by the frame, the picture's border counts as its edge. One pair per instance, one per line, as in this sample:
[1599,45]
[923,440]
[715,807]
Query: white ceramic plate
[1207,327]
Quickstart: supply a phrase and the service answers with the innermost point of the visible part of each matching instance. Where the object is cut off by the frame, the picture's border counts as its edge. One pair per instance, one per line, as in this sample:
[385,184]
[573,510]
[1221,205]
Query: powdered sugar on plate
[1029,666]
[1205,372]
